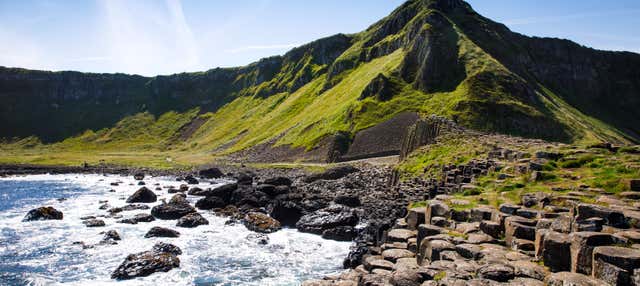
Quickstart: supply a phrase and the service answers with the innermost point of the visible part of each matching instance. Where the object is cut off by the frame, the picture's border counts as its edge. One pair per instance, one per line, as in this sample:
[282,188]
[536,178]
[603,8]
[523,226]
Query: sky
[151,37]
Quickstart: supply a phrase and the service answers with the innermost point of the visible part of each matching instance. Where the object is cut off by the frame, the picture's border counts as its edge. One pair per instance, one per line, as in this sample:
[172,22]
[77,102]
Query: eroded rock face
[615,265]
[260,222]
[162,258]
[43,213]
[143,195]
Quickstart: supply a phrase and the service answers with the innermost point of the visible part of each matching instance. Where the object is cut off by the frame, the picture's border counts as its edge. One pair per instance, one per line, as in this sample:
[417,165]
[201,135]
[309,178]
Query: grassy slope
[302,118]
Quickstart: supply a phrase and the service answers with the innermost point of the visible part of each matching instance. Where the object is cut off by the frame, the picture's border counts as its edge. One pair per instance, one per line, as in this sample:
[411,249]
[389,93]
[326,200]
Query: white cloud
[149,39]
[262,47]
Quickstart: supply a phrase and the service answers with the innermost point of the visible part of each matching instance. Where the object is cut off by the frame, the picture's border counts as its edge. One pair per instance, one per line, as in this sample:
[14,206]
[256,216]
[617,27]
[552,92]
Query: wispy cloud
[262,47]
[569,17]
[156,41]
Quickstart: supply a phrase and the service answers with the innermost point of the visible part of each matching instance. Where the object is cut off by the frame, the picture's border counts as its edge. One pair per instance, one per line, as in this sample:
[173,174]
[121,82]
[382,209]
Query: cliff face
[428,57]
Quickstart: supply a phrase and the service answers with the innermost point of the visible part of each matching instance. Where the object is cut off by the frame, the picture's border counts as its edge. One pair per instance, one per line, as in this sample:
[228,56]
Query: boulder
[492,228]
[331,174]
[208,203]
[161,258]
[191,180]
[278,181]
[142,195]
[394,254]
[582,245]
[224,191]
[406,277]
[138,176]
[572,279]
[43,213]
[400,235]
[210,173]
[172,210]
[509,209]
[94,223]
[244,179]
[192,220]
[129,207]
[327,218]
[158,231]
[615,265]
[260,222]
[518,227]
[111,235]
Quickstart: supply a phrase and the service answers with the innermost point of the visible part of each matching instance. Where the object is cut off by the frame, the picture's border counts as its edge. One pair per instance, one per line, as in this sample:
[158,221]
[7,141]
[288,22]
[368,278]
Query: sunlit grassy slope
[306,98]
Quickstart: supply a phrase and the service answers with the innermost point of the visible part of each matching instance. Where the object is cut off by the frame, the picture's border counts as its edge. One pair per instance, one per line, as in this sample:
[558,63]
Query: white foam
[217,254]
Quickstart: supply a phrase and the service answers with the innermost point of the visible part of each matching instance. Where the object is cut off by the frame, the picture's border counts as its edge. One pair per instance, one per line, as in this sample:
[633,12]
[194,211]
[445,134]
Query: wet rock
[327,218]
[191,180]
[43,213]
[138,176]
[161,258]
[331,174]
[340,233]
[162,247]
[258,238]
[111,235]
[94,223]
[143,195]
[210,173]
[172,210]
[192,220]
[158,231]
[208,203]
[260,222]
[286,212]
[142,217]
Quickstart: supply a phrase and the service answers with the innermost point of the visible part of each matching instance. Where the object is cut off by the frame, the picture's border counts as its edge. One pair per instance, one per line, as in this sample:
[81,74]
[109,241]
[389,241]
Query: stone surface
[142,195]
[43,213]
[260,222]
[582,245]
[192,220]
[158,231]
[572,279]
[556,251]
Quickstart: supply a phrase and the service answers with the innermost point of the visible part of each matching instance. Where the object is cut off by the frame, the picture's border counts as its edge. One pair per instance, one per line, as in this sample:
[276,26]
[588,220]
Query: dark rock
[157,231]
[340,233]
[611,217]
[258,238]
[348,200]
[138,176]
[172,211]
[332,174]
[208,203]
[615,265]
[192,220]
[244,179]
[143,195]
[556,251]
[142,217]
[161,258]
[210,173]
[111,235]
[94,223]
[129,207]
[260,222]
[286,212]
[278,181]
[191,180]
[327,218]
[162,247]
[141,183]
[43,213]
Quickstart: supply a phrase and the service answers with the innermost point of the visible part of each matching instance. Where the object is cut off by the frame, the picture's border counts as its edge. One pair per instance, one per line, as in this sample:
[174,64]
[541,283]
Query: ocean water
[43,253]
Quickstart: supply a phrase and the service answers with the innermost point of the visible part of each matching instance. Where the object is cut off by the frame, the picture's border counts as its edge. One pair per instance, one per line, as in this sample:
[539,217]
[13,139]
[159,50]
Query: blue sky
[169,36]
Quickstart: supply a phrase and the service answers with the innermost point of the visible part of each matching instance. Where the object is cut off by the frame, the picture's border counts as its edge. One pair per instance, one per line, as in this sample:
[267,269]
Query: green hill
[322,100]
